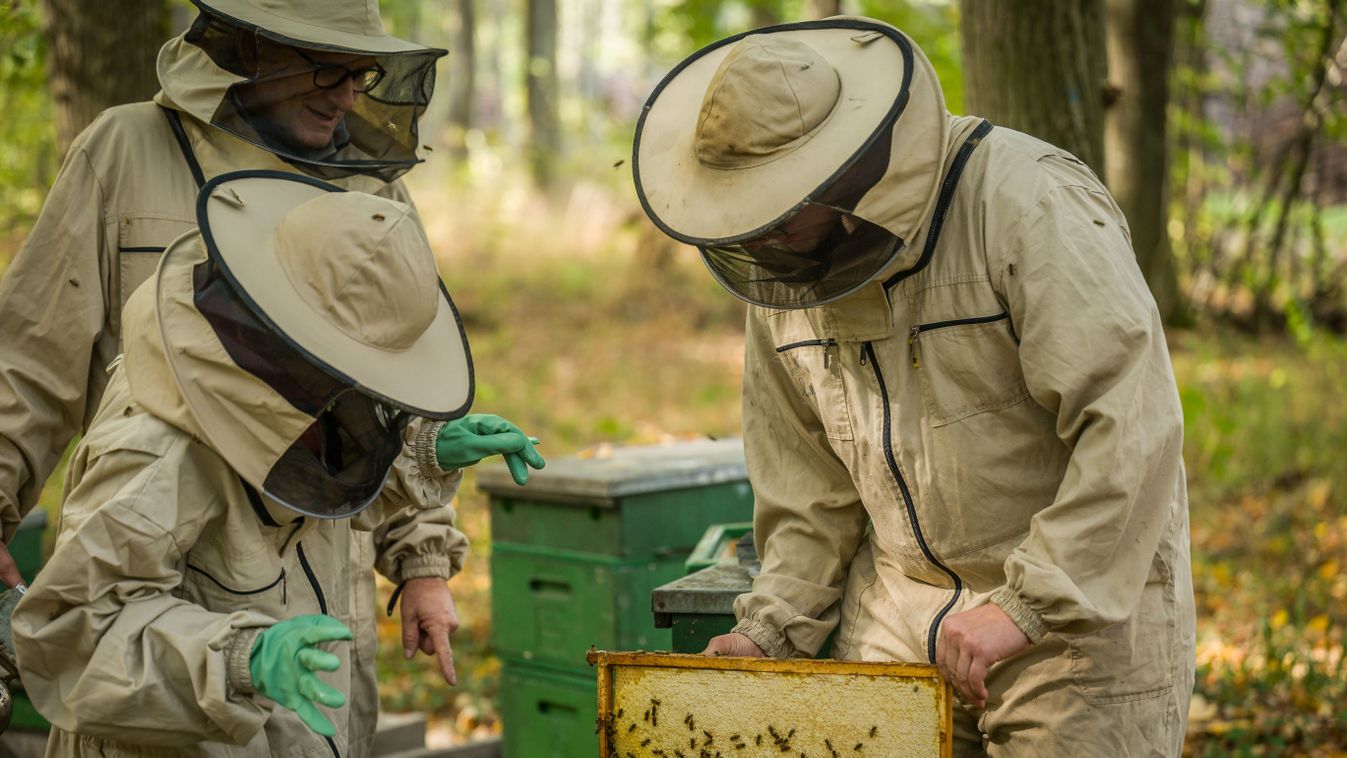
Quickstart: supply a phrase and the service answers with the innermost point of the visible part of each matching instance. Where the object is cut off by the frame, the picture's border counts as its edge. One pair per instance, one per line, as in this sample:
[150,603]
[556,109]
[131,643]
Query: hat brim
[433,377]
[301,34]
[702,205]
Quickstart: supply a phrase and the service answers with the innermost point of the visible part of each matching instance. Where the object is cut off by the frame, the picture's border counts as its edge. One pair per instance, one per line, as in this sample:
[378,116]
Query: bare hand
[428,618]
[969,643]
[9,571]
[734,644]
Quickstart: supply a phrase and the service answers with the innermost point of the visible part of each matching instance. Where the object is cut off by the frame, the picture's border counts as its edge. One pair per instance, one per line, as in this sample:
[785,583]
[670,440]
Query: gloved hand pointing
[465,441]
[284,660]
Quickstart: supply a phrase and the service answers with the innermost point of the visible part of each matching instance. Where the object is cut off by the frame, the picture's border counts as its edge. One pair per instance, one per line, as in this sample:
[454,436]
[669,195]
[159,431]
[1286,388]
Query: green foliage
[688,25]
[934,25]
[1241,234]
[28,158]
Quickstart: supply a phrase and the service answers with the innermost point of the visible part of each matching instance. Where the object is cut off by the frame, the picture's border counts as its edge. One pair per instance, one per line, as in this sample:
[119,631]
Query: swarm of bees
[702,742]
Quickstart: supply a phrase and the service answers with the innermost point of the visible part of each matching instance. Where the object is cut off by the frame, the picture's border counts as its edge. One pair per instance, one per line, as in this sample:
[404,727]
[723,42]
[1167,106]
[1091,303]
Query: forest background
[1218,124]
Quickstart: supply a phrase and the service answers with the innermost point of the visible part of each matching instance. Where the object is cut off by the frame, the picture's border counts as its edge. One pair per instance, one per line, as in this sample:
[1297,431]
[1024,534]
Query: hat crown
[362,263]
[347,16]
[767,98]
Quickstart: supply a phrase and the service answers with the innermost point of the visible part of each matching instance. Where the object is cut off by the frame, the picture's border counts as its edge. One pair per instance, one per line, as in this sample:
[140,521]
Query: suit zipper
[869,352]
[827,345]
[920,329]
[322,607]
[313,578]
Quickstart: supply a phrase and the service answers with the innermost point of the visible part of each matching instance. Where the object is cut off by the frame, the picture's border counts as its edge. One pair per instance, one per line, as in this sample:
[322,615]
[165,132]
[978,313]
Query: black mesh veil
[762,269]
[331,112]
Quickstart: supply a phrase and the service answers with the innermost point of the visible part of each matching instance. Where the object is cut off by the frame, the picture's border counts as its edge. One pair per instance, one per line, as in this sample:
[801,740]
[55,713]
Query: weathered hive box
[691,706]
[577,552]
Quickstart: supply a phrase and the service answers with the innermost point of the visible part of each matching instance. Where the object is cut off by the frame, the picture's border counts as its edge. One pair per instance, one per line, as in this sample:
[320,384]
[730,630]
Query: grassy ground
[1266,434]
[586,330]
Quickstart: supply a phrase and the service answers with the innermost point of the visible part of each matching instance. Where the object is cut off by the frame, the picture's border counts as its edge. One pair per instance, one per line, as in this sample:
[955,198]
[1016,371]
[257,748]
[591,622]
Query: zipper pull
[915,348]
[828,346]
[864,349]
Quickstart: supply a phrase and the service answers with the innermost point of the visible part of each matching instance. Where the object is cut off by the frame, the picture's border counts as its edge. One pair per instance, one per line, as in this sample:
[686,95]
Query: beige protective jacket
[137,633]
[127,188]
[994,420]
[124,192]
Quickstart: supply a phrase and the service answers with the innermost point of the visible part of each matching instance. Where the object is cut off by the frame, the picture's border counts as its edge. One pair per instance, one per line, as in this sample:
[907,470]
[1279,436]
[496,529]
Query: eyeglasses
[333,75]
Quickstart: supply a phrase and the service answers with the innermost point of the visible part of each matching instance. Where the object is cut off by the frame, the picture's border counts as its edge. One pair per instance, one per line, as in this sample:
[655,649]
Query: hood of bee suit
[295,333]
[749,130]
[152,385]
[221,71]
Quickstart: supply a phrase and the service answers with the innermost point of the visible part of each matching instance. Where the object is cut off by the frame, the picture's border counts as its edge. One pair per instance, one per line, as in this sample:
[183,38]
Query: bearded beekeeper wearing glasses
[309,87]
[202,576]
[961,423]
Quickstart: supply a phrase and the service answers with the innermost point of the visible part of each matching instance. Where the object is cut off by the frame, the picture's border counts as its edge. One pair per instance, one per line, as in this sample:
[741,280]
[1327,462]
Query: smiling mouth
[325,118]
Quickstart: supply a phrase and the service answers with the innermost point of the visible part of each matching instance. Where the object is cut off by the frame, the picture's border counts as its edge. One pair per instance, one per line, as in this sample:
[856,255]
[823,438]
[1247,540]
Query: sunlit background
[588,327]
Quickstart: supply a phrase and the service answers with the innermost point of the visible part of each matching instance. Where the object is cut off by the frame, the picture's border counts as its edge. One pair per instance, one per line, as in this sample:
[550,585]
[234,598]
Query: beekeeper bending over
[961,423]
[201,575]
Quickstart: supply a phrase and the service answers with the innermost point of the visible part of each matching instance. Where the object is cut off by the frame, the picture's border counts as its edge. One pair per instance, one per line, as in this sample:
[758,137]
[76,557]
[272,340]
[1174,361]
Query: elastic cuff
[423,449]
[425,566]
[1027,619]
[238,671]
[772,642]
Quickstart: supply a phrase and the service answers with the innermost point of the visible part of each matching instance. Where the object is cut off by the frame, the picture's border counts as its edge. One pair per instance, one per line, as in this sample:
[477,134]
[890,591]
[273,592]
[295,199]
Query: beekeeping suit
[128,187]
[246,439]
[956,394]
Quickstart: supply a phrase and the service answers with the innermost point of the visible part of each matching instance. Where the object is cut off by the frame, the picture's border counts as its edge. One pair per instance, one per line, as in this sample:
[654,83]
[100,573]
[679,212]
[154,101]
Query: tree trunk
[1039,66]
[823,8]
[1140,54]
[462,72]
[764,13]
[1190,149]
[545,130]
[93,64]
[492,82]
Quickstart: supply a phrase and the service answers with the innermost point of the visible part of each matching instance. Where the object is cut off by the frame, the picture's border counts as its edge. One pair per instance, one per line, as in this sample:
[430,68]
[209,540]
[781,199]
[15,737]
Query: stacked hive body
[574,558]
[26,549]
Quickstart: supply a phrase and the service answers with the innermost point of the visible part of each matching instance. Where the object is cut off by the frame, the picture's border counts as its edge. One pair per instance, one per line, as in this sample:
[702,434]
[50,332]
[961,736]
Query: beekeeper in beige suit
[255,425]
[311,86]
[960,418]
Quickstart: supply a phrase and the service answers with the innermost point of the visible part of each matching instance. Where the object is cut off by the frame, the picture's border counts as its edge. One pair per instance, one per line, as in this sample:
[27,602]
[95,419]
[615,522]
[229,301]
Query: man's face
[803,231]
[286,95]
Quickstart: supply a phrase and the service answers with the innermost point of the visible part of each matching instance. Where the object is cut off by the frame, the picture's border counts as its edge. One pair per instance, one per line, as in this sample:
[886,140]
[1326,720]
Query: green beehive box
[26,549]
[551,605]
[575,556]
[627,502]
[700,606]
[576,553]
[547,714]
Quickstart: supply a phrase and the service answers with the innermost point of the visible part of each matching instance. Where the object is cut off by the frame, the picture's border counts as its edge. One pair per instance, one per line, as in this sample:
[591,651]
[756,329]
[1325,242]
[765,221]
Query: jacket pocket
[1133,659]
[141,240]
[967,366]
[815,367]
[258,584]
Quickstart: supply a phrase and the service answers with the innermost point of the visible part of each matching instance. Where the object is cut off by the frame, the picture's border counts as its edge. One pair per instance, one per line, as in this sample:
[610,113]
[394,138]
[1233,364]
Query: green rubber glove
[284,660]
[465,441]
